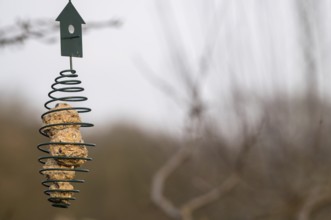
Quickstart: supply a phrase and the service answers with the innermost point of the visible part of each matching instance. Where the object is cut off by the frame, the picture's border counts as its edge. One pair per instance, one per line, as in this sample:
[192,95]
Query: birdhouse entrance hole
[71,29]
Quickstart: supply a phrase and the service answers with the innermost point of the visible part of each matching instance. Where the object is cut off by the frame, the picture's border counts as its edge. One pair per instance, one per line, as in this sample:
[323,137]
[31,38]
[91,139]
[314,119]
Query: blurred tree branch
[211,196]
[192,80]
[43,30]
[159,83]
[159,179]
[316,198]
[193,131]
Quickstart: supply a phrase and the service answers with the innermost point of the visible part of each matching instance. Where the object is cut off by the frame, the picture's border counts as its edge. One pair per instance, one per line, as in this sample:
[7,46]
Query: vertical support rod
[70,63]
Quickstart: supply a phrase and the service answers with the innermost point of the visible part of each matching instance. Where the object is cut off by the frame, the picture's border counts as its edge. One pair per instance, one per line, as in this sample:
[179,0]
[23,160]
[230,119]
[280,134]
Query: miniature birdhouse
[71,31]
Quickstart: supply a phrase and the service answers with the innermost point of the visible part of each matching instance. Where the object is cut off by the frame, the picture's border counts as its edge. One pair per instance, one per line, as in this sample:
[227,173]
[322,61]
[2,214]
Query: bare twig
[43,30]
[317,198]
[228,184]
[195,111]
[214,194]
[158,184]
[160,83]
[195,119]
[160,178]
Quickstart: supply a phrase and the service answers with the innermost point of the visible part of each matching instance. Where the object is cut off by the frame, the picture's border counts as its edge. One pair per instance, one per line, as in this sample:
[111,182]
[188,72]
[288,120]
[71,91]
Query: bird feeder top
[70,14]
[71,31]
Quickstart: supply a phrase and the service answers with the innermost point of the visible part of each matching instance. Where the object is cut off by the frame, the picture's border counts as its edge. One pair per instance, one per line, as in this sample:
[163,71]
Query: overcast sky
[257,42]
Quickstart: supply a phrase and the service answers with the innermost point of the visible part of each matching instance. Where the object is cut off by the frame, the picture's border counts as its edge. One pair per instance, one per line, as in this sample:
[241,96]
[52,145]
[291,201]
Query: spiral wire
[67,82]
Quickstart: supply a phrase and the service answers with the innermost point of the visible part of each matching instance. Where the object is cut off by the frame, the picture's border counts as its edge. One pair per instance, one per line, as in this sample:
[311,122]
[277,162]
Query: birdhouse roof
[70,14]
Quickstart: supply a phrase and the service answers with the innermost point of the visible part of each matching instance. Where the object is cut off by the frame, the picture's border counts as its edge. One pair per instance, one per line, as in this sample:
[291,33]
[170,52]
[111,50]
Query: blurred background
[203,110]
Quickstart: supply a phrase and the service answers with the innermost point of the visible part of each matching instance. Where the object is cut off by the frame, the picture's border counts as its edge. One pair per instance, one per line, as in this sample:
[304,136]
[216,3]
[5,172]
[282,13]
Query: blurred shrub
[284,171]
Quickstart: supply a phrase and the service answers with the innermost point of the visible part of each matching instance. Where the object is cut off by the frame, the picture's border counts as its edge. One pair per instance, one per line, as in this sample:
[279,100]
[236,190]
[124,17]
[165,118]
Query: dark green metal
[65,84]
[71,31]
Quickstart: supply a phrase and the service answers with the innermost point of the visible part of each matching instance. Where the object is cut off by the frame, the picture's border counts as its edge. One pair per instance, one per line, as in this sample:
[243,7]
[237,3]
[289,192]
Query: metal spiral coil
[65,83]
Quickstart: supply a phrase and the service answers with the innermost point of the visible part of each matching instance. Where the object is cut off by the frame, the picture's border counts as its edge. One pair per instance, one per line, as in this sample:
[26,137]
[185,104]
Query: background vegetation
[282,167]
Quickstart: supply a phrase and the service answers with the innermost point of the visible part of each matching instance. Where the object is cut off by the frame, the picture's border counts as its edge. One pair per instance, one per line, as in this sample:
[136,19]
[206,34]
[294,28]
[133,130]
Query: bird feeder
[62,123]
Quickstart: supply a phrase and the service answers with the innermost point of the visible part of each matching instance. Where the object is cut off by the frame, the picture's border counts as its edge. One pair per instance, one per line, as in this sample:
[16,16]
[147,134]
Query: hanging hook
[70,63]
